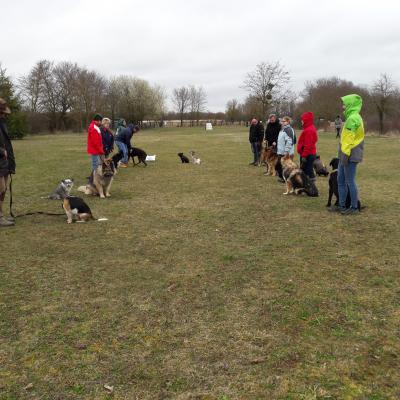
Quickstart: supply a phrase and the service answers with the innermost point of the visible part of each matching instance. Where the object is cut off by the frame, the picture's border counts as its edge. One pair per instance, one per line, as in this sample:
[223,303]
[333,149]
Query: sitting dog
[183,158]
[296,180]
[195,159]
[100,180]
[270,158]
[62,191]
[333,186]
[76,207]
[319,167]
[139,153]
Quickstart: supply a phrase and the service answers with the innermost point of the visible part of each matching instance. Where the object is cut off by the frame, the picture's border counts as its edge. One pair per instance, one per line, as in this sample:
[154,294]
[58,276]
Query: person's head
[307,119]
[352,103]
[4,109]
[272,118]
[105,122]
[337,116]
[286,121]
[97,119]
[136,128]
[254,121]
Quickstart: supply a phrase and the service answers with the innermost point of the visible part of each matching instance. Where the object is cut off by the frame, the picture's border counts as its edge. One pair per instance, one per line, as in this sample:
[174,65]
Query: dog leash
[29,213]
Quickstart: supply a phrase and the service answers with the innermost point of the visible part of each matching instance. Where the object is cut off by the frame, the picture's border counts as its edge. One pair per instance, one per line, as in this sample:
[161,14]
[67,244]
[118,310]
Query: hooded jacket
[125,135]
[308,138]
[7,165]
[94,141]
[272,132]
[286,141]
[352,136]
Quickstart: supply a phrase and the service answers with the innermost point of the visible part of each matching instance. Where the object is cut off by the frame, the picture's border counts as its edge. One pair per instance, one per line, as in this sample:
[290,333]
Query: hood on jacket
[308,119]
[352,103]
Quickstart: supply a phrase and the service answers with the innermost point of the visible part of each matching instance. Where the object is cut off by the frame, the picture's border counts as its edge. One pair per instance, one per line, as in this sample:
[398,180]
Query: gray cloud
[208,43]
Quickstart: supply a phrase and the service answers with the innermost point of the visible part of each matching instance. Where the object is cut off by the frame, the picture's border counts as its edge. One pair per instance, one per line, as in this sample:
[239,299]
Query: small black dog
[333,186]
[183,158]
[139,153]
[116,158]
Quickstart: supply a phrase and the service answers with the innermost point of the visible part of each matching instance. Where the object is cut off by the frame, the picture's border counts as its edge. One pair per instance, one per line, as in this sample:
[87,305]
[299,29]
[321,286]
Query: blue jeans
[95,162]
[346,183]
[256,149]
[124,149]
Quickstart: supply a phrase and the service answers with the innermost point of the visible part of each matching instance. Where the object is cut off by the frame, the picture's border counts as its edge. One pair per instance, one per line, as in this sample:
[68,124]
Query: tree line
[64,96]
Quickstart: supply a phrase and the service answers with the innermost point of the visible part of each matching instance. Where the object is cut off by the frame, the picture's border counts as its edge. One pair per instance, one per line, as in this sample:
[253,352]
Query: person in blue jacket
[123,142]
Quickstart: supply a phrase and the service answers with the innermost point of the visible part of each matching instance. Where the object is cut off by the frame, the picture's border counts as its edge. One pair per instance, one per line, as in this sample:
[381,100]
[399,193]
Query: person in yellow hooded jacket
[351,150]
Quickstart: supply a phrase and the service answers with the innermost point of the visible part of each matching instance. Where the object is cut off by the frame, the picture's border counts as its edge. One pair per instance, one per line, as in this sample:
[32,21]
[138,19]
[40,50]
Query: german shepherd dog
[319,167]
[333,186]
[75,207]
[139,153]
[297,181]
[270,158]
[100,180]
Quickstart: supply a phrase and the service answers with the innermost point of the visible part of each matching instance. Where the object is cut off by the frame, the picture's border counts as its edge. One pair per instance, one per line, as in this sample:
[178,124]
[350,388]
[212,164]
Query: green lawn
[205,283]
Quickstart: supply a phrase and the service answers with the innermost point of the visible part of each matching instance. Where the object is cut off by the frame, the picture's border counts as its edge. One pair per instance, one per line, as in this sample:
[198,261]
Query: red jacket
[308,139]
[94,141]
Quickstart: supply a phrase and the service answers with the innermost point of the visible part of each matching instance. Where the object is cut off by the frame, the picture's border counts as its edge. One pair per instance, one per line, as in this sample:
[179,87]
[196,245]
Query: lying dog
[62,191]
[183,158]
[195,159]
[270,158]
[139,153]
[100,180]
[297,181]
[333,186]
[319,167]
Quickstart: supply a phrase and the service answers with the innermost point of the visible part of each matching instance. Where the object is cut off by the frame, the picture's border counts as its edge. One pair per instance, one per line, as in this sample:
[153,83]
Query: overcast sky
[203,42]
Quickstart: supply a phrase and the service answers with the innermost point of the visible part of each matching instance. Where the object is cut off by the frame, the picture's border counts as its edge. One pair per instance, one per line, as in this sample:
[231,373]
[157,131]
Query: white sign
[209,126]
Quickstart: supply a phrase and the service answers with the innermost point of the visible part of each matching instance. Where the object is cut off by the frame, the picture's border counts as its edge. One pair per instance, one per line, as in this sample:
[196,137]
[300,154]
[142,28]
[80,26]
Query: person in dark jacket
[256,134]
[107,137]
[272,130]
[123,142]
[7,161]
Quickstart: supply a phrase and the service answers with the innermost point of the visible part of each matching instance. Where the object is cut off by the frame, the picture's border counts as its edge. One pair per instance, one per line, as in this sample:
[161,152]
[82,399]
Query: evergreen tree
[16,121]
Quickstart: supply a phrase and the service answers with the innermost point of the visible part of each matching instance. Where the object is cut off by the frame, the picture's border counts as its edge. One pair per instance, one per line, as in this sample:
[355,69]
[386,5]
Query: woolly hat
[97,117]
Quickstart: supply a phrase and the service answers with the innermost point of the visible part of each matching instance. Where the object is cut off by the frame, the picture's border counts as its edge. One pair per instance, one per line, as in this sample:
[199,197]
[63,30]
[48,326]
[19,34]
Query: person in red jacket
[95,142]
[306,146]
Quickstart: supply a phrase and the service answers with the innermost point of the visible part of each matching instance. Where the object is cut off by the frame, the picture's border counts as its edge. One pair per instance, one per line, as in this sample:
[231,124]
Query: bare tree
[266,83]
[181,100]
[198,101]
[383,94]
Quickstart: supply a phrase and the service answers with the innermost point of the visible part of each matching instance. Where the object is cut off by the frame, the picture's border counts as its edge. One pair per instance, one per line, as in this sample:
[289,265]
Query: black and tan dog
[139,153]
[333,186]
[100,180]
[297,181]
[270,159]
[183,158]
[76,208]
[319,167]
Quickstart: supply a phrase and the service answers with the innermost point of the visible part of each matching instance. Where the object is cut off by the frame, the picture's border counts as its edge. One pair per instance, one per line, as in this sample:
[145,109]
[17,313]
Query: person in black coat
[7,161]
[256,134]
[272,130]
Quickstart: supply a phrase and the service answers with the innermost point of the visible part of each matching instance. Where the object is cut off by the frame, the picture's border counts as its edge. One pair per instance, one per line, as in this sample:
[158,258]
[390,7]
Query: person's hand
[286,153]
[274,144]
[345,159]
[5,154]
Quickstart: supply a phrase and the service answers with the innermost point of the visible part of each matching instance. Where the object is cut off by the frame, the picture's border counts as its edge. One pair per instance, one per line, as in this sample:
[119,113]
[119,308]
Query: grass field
[205,283]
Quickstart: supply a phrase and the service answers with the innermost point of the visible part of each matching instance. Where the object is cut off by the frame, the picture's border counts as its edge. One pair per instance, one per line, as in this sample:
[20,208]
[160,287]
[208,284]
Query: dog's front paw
[108,195]
[286,193]
[102,196]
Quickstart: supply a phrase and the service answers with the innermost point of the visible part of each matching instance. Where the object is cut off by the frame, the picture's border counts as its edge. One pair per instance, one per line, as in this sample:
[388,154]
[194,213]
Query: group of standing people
[101,140]
[281,137]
